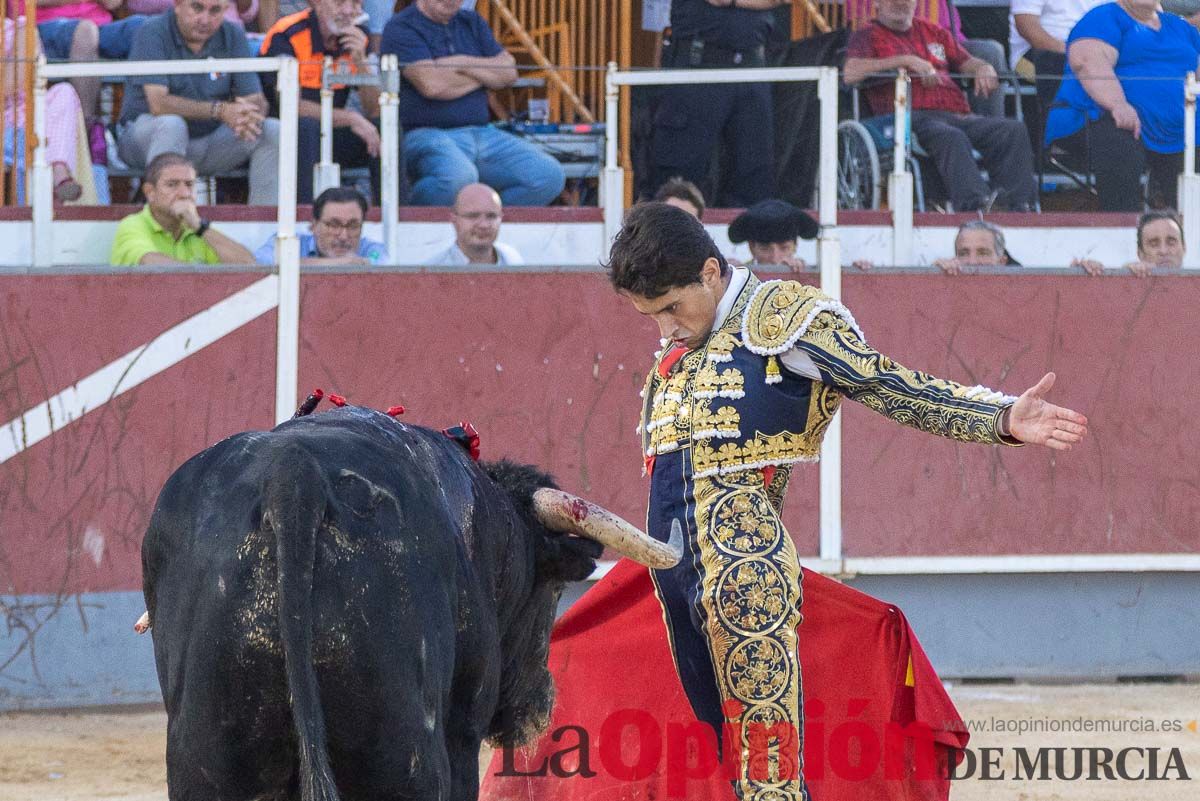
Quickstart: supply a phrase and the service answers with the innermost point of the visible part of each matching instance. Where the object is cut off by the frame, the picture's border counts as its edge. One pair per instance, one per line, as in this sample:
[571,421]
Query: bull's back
[385,599]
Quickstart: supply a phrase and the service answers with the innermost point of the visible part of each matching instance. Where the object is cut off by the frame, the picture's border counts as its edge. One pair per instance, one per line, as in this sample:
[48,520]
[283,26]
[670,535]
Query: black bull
[345,607]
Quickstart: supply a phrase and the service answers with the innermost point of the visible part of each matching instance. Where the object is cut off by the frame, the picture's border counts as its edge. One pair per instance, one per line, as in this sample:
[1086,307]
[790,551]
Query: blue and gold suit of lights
[722,426]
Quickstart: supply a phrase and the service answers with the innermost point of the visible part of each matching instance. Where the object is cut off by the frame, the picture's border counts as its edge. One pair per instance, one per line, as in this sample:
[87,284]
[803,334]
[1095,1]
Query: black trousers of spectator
[348,151]
[1118,161]
[1049,67]
[1004,145]
[691,121]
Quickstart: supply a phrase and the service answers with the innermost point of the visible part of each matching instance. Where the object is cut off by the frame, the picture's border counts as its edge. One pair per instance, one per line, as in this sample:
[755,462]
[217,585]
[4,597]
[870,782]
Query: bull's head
[568,534]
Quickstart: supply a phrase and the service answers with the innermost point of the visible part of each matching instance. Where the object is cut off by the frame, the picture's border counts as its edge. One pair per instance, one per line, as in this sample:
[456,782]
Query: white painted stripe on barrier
[169,348]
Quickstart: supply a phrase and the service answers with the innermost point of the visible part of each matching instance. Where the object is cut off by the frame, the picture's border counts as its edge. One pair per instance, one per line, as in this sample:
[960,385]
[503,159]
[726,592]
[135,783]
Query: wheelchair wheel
[858,167]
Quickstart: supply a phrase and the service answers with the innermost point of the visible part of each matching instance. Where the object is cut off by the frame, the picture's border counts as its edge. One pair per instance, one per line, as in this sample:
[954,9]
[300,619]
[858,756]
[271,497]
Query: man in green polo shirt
[169,229]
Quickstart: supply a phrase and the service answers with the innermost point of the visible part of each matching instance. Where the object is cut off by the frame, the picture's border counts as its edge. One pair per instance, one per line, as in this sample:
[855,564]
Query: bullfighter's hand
[1034,420]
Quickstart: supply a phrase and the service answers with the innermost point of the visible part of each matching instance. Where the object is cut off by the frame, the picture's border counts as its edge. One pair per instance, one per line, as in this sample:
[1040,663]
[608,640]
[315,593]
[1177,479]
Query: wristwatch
[202,227]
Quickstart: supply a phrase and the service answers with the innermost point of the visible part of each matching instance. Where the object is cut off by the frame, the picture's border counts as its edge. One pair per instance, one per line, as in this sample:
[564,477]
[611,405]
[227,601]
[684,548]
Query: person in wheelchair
[1120,104]
[941,117]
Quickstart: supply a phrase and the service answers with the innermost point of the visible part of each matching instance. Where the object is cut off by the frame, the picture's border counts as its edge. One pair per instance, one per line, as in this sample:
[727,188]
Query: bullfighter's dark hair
[338,194]
[660,247]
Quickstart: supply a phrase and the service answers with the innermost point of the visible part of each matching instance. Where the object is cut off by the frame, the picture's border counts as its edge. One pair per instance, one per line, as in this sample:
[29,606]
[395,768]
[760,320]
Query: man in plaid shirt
[941,118]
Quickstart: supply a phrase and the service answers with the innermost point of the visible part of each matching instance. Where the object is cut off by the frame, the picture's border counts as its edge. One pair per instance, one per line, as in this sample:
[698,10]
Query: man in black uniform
[691,120]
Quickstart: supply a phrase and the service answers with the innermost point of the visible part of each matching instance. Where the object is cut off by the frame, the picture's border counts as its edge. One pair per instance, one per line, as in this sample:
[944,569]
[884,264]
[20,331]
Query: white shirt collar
[737,279]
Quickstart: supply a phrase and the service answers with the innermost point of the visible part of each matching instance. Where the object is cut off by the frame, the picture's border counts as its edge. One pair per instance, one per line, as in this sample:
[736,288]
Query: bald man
[476,217]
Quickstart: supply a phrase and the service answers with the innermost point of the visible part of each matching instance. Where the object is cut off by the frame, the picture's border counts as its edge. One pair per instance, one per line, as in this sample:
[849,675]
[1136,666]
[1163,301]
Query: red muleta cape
[879,725]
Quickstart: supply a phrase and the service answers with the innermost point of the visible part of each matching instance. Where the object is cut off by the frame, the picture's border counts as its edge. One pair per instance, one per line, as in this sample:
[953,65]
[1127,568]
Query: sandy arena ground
[52,756]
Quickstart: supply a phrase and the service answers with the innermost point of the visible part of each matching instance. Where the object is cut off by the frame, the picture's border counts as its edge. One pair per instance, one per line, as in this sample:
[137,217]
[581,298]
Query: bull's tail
[294,501]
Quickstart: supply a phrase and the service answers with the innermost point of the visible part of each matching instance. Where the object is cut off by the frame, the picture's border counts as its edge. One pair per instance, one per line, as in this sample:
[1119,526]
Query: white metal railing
[327,172]
[829,257]
[1189,182]
[900,182]
[288,246]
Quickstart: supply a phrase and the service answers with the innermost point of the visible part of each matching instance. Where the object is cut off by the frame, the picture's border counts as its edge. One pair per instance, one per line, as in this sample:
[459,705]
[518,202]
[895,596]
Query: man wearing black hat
[771,228]
[692,120]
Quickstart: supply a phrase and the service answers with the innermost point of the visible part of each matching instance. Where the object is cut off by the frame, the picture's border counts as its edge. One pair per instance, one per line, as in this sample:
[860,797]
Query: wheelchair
[866,156]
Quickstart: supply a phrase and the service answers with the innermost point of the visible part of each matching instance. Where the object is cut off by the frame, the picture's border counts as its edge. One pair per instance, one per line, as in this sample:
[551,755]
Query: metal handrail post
[900,182]
[39,181]
[612,189]
[326,172]
[287,247]
[1189,183]
[389,159]
[829,261]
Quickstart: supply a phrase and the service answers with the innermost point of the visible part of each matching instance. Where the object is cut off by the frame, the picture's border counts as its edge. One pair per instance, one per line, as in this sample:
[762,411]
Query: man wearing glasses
[336,237]
[329,27]
[476,217]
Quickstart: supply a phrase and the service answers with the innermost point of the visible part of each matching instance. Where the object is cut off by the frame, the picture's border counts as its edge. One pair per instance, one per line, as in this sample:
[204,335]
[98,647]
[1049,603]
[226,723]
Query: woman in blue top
[1125,72]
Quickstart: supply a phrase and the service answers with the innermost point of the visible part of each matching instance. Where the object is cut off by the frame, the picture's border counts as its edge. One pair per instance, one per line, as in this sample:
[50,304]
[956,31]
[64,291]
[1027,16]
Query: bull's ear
[565,558]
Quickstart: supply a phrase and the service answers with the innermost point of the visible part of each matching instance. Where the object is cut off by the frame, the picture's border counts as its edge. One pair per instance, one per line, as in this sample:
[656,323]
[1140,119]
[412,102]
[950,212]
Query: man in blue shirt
[336,237]
[450,60]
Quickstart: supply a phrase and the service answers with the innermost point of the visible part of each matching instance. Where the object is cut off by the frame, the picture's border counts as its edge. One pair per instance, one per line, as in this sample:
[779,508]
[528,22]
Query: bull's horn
[562,511]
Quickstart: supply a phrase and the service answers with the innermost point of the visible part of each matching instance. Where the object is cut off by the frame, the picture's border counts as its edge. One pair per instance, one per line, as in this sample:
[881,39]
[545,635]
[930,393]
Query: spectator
[327,28]
[240,13]
[1159,244]
[378,13]
[476,219]
[270,11]
[978,243]
[452,60]
[941,118]
[771,228]
[217,119]
[1124,110]
[945,16]
[336,236]
[1038,34]
[169,229]
[84,30]
[63,113]
[684,194]
[690,121]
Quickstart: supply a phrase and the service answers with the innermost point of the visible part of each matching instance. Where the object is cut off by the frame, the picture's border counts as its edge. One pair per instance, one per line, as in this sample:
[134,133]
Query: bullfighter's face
[686,314]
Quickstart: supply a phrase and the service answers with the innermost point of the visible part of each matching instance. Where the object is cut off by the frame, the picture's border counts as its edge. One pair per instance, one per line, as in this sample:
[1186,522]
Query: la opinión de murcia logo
[633,745]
